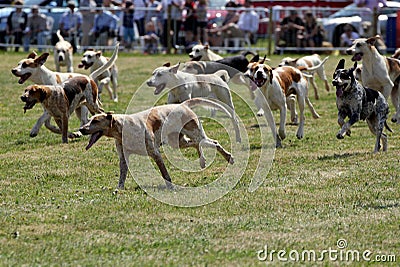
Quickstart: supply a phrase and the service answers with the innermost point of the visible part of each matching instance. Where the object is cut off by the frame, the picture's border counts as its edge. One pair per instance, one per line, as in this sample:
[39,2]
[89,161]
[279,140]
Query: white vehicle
[353,15]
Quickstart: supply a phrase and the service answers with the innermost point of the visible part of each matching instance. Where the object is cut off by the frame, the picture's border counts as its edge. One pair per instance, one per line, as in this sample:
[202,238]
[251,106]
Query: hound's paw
[316,116]
[339,136]
[74,135]
[169,186]
[202,162]
[33,134]
[281,135]
[260,113]
[231,160]
[299,135]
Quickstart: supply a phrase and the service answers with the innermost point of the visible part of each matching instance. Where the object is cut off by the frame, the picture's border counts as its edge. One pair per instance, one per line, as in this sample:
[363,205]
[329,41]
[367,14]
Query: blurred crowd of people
[99,22]
[305,31]
[294,31]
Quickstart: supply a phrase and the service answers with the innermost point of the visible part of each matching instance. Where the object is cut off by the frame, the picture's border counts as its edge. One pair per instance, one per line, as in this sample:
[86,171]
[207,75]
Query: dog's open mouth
[29,105]
[198,58]
[357,57]
[23,77]
[159,88]
[85,65]
[340,89]
[94,138]
[259,81]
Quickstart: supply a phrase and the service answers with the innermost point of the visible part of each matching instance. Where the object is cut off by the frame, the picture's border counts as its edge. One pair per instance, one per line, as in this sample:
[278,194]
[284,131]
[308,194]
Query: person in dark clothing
[127,23]
[290,27]
[190,23]
[313,33]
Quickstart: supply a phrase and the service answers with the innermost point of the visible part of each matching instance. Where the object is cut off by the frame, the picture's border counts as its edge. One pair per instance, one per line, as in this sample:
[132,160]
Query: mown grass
[58,205]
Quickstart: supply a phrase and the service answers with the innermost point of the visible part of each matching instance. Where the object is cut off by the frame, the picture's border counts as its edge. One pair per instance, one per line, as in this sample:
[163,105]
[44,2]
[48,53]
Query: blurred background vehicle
[352,15]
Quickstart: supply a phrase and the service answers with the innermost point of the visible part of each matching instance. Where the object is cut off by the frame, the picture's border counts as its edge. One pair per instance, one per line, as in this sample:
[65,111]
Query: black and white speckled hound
[359,103]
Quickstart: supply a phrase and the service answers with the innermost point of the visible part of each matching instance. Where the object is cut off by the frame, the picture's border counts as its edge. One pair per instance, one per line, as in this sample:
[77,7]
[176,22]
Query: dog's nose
[14,71]
[23,98]
[334,83]
[349,51]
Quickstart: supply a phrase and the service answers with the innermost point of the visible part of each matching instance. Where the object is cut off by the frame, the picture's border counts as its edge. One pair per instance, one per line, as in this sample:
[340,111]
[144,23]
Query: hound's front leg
[346,126]
[160,163]
[123,165]
[64,128]
[44,118]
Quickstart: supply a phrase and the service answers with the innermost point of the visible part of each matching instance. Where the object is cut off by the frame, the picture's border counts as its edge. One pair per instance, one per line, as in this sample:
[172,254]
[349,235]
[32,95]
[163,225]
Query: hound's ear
[206,47]
[110,118]
[372,40]
[167,65]
[32,55]
[340,64]
[98,54]
[174,69]
[354,66]
[271,75]
[263,60]
[43,93]
[42,58]
[256,58]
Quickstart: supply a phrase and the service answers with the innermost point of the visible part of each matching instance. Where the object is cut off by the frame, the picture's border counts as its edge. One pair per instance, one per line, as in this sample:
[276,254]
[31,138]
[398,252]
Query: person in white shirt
[248,22]
[347,37]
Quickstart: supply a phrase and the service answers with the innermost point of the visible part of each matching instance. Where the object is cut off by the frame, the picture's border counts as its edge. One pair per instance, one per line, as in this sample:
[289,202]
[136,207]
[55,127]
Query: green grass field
[59,207]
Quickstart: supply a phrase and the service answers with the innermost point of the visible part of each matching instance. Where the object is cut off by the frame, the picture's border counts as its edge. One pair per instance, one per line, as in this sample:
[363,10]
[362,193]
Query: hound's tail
[60,38]
[223,74]
[312,69]
[194,102]
[248,52]
[106,66]
[388,128]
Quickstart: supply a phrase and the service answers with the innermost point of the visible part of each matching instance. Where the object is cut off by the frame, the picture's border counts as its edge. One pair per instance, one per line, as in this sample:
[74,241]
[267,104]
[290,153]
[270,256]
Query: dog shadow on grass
[381,206]
[341,156]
